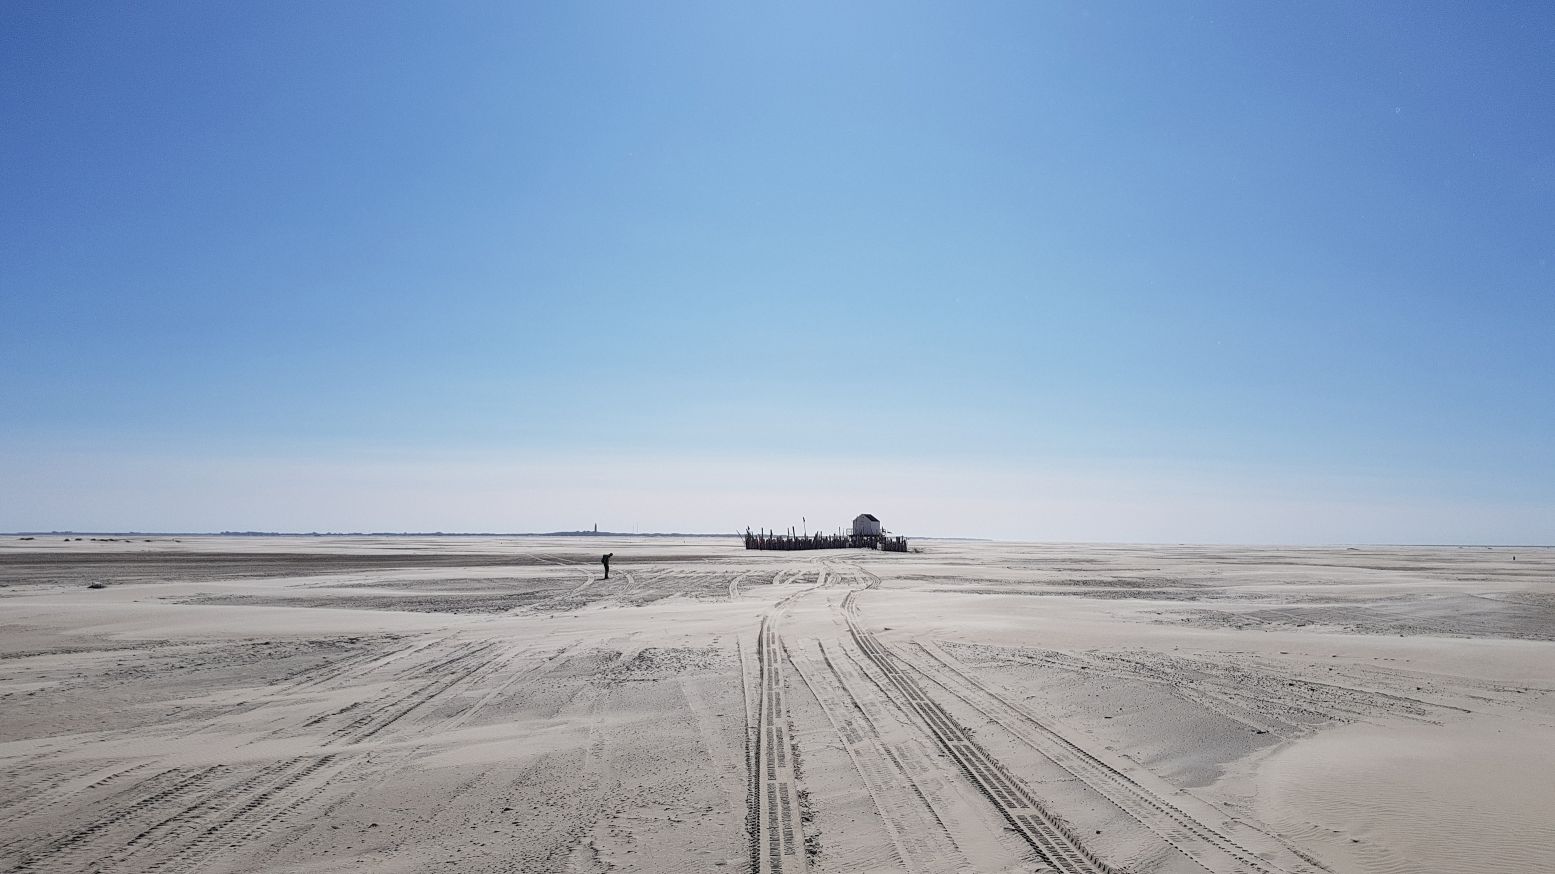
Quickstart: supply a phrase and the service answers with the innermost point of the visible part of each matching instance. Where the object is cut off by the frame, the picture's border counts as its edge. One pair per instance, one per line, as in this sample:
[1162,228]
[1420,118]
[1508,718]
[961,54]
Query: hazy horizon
[584,533]
[1063,272]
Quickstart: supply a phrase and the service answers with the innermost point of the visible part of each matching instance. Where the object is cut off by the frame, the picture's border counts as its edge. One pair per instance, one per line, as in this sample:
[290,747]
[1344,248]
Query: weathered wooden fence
[772,540]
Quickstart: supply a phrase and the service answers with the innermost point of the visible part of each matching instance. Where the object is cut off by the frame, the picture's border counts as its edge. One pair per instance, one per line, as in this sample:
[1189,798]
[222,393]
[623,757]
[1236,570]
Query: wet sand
[420,704]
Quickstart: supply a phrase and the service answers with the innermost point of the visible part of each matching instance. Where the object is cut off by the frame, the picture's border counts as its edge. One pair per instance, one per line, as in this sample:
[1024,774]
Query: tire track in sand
[237,817]
[165,787]
[219,808]
[1054,842]
[777,840]
[1213,851]
[779,844]
[920,838]
[734,585]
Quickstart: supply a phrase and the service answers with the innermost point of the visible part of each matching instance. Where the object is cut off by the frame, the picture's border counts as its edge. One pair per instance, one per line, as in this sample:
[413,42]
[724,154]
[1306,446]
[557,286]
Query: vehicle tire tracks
[918,834]
[1213,851]
[779,842]
[1055,844]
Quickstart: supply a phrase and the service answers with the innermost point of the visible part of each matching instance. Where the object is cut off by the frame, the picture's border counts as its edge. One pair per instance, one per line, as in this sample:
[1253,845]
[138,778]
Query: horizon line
[587,533]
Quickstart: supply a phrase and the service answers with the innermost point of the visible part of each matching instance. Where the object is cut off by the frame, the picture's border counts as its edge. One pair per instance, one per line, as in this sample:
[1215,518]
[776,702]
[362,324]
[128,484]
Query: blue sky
[1212,271]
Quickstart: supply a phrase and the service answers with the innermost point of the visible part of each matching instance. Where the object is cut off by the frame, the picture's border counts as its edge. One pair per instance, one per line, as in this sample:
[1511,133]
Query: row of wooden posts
[771,540]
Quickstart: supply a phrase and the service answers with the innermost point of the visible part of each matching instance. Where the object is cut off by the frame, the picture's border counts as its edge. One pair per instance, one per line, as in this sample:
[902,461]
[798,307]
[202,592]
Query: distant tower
[596,527]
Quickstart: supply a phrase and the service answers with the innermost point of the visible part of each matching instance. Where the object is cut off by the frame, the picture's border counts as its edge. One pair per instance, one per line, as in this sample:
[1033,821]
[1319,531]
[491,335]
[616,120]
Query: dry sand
[399,704]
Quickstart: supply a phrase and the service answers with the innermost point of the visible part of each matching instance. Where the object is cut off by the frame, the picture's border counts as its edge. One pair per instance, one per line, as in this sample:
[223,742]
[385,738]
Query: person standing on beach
[605,559]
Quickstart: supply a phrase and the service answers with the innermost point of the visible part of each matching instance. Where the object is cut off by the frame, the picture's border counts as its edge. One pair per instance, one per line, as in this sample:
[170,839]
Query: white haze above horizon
[474,493]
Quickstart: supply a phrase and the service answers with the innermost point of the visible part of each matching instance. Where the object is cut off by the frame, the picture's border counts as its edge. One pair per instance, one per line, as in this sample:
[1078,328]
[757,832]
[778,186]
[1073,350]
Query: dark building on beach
[866,525]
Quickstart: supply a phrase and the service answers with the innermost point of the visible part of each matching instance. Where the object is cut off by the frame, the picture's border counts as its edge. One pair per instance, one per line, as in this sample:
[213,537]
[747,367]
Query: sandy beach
[323,704]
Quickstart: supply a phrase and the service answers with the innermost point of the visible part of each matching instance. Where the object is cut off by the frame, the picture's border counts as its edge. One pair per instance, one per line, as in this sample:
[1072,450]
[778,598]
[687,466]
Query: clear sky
[1169,271]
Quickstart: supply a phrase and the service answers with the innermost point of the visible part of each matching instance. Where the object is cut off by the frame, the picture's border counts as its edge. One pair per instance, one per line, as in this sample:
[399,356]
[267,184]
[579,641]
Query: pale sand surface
[489,704]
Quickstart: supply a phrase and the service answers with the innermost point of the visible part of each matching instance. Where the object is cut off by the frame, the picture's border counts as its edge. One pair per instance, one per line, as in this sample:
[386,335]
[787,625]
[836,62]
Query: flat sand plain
[430,704]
